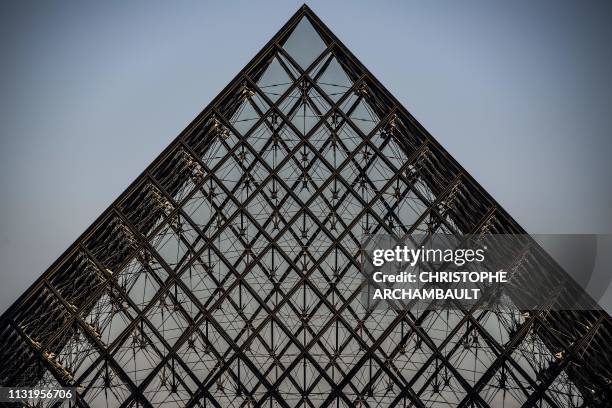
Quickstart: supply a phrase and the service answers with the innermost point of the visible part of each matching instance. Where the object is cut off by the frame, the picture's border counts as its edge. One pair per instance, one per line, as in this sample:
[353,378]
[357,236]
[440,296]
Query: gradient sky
[91,92]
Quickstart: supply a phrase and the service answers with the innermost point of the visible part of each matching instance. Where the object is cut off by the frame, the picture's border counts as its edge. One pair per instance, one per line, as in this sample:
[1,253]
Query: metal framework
[228,273]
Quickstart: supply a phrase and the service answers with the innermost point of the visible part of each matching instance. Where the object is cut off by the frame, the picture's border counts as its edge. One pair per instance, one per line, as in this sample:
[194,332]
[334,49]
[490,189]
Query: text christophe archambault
[429,285]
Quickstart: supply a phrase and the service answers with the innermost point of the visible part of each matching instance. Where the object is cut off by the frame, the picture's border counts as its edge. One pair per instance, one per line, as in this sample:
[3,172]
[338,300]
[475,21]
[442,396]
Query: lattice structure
[228,273]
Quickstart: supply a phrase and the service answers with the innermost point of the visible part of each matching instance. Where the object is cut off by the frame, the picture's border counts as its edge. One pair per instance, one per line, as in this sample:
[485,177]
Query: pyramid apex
[305,8]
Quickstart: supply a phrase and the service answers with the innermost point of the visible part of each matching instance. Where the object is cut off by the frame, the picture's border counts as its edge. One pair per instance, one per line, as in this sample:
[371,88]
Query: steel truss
[228,274]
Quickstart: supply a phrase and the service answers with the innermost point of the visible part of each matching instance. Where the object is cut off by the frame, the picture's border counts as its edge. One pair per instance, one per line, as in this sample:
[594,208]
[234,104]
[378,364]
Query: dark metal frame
[260,304]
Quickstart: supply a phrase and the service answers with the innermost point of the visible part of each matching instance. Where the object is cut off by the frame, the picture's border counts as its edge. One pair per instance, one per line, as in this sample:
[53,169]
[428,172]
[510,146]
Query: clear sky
[91,92]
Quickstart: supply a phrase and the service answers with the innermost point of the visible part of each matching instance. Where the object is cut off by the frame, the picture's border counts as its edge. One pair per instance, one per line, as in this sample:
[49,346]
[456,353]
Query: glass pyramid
[228,275]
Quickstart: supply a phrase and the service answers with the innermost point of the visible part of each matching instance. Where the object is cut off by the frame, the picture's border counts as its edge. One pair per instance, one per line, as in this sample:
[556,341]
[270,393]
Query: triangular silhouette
[228,273]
